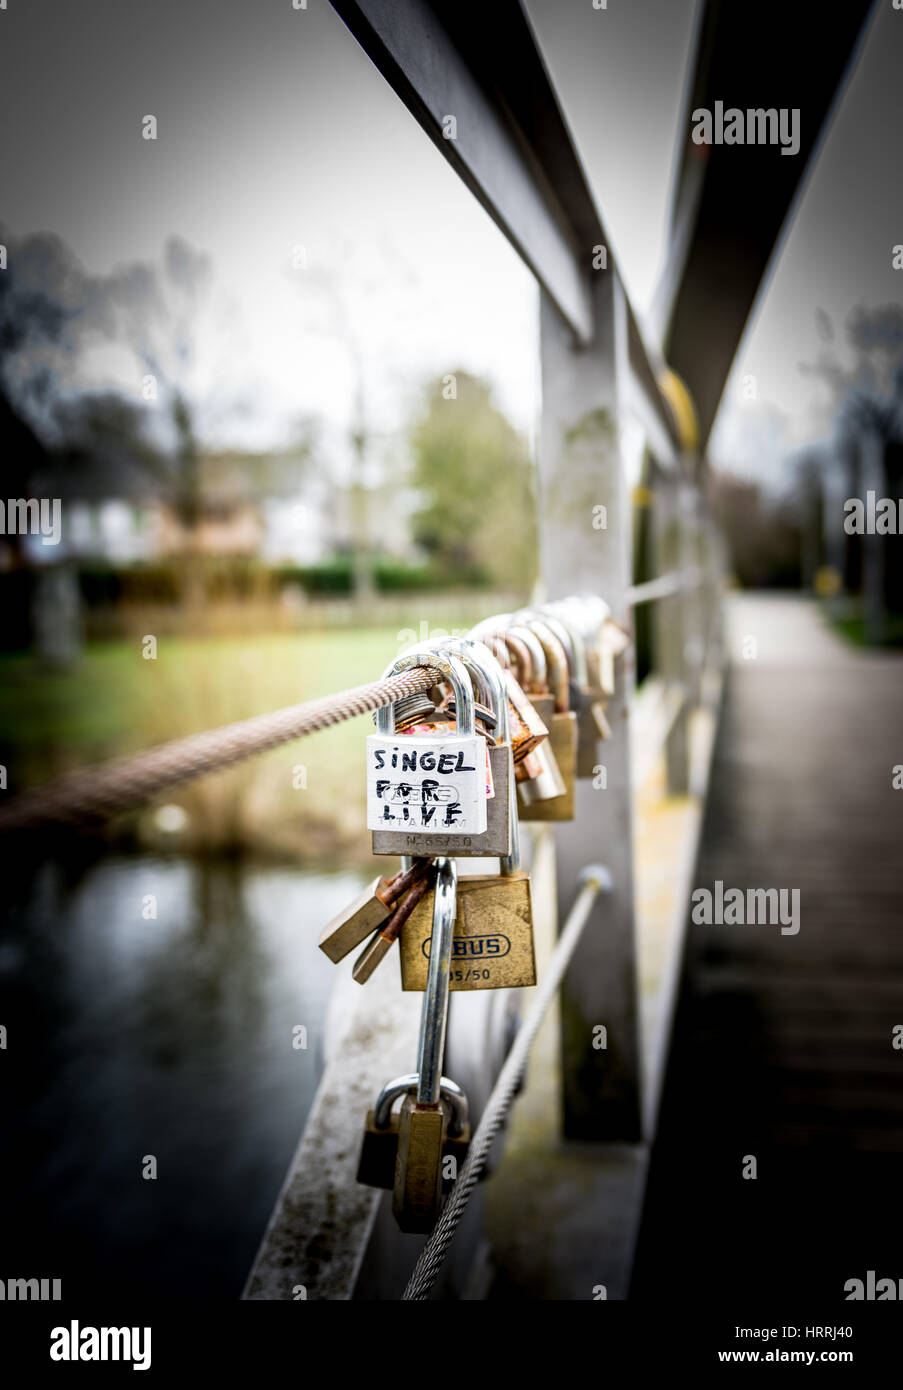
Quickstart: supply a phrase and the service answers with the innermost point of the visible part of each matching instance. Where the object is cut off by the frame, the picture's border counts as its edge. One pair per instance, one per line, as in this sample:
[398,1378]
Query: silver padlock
[604,641]
[591,618]
[498,836]
[501,814]
[427,793]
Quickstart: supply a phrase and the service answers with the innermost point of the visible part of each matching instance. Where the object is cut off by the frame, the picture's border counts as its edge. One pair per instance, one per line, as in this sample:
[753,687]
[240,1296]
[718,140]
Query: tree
[866,391]
[474,476]
[142,428]
[866,395]
[761,531]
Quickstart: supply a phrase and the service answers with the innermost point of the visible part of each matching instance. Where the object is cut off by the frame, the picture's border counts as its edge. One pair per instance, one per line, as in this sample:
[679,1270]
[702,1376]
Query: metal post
[434,1016]
[874,546]
[584,548]
[669,523]
[810,556]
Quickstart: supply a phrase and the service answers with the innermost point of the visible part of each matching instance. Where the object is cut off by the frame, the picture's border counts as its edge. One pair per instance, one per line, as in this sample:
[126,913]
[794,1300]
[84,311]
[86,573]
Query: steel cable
[104,791]
[433,1253]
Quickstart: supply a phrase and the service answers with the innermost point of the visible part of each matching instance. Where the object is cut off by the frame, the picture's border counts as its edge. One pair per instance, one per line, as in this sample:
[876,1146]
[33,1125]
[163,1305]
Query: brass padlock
[372,906]
[379,1151]
[562,735]
[599,641]
[613,643]
[417,1189]
[383,939]
[492,946]
[584,700]
[424,1121]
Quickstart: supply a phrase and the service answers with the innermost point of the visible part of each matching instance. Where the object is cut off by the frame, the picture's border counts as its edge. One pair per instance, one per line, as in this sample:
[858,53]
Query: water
[130,1036]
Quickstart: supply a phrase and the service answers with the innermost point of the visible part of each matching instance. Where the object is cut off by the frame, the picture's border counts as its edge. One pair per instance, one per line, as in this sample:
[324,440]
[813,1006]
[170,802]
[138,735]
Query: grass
[114,702]
[852,627]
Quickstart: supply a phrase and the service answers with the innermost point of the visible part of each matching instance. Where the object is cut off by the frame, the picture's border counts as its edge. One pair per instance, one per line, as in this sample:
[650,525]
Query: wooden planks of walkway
[783,1045]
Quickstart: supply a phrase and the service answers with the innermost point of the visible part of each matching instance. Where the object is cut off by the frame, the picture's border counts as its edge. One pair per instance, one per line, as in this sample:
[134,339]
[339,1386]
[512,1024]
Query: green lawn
[852,627]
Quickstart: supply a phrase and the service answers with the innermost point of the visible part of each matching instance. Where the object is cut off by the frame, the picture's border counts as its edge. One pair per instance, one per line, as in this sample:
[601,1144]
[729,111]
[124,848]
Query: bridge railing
[482,95]
[618,465]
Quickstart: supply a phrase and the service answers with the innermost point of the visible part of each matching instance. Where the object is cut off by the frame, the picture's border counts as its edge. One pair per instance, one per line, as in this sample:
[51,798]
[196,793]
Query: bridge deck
[783,1043]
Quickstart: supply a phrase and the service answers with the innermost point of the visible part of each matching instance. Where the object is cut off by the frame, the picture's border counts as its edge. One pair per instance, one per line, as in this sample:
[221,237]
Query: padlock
[613,643]
[479,663]
[516,685]
[382,940]
[562,735]
[417,1189]
[600,639]
[379,1149]
[496,682]
[373,906]
[526,731]
[418,714]
[492,946]
[546,781]
[605,640]
[525,735]
[588,615]
[535,769]
[583,701]
[424,1119]
[427,793]
[537,689]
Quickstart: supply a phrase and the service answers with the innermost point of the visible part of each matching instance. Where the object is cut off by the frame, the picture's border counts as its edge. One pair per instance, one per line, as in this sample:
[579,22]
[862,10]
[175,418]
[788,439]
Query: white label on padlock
[435,784]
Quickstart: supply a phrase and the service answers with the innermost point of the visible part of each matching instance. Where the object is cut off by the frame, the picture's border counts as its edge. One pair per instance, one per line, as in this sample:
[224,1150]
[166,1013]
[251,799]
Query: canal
[155,1009]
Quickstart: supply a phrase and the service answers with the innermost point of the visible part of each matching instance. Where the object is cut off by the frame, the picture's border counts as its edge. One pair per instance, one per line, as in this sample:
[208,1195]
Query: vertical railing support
[583,547]
[670,525]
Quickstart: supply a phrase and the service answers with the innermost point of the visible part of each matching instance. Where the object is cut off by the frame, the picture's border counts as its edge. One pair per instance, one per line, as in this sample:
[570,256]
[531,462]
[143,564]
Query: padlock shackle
[572,642]
[451,669]
[477,657]
[474,656]
[491,625]
[509,651]
[556,659]
[493,640]
[587,616]
[434,1014]
[538,656]
[586,611]
[523,659]
[400,1086]
[449,1091]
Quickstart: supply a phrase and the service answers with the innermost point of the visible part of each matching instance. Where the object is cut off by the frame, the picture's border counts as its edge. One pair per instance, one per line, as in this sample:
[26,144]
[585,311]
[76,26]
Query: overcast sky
[275,132]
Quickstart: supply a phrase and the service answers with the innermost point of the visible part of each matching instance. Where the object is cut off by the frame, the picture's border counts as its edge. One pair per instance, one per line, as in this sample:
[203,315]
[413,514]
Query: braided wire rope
[594,880]
[106,790]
